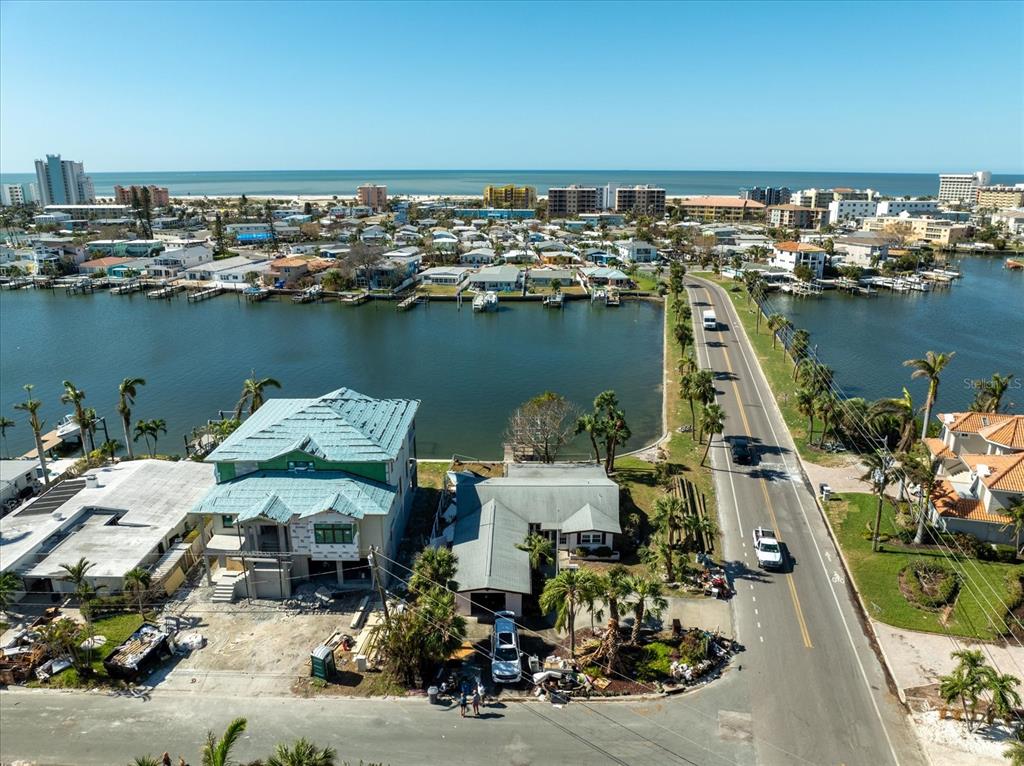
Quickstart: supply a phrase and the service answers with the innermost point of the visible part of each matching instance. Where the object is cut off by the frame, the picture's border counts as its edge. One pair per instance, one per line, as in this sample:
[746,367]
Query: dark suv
[743,452]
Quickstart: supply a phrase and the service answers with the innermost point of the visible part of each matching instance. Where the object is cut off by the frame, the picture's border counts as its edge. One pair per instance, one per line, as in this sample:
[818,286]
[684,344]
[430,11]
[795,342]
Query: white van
[710,321]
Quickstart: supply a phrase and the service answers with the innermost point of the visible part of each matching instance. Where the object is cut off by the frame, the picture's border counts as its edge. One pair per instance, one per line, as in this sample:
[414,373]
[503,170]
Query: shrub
[968,544]
[693,648]
[603,551]
[581,552]
[102,606]
[929,584]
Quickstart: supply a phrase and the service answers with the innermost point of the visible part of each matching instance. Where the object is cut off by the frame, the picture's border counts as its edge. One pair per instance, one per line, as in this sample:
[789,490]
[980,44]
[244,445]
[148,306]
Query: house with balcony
[634,251]
[980,459]
[305,487]
[171,263]
[395,270]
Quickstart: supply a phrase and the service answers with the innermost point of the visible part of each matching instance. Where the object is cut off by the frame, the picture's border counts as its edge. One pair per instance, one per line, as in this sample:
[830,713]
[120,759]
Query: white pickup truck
[767,548]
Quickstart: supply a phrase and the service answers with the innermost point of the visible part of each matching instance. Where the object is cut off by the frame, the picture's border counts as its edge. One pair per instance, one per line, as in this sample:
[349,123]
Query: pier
[127,288]
[411,300]
[204,294]
[167,292]
[309,295]
[256,294]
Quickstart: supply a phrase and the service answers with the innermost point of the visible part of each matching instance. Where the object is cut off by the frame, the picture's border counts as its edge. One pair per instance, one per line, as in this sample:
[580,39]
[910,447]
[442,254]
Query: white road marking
[759,626]
[753,598]
[762,639]
[755,611]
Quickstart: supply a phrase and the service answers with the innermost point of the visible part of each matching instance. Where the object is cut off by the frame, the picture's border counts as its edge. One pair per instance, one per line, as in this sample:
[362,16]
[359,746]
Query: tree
[930,367]
[75,396]
[676,273]
[252,394]
[611,426]
[1003,689]
[612,588]
[923,469]
[806,405]
[563,594]
[31,406]
[302,752]
[668,516]
[712,420]
[126,393]
[10,584]
[591,425]
[902,410]
[798,346]
[5,424]
[87,427]
[1015,514]
[966,682]
[219,247]
[217,752]
[826,404]
[775,324]
[880,475]
[150,429]
[541,427]
[803,272]
[78,575]
[415,641]
[137,582]
[649,600]
[64,637]
[434,567]
[683,334]
[1014,751]
[539,549]
[989,394]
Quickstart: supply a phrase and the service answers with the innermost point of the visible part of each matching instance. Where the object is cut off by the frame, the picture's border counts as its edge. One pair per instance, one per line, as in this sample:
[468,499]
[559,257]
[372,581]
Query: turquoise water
[344,182]
[866,340]
[470,370]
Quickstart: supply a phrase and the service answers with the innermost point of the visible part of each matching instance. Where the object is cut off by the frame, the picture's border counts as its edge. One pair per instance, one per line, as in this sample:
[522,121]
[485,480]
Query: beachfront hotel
[713,208]
[373,196]
[510,196]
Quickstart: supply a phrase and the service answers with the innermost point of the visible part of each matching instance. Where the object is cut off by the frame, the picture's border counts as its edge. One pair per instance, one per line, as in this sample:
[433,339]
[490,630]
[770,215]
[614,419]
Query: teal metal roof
[343,426]
[282,495]
[485,544]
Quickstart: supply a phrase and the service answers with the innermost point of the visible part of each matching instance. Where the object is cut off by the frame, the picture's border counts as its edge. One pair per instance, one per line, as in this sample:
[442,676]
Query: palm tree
[218,752]
[930,367]
[137,581]
[75,396]
[826,404]
[668,516]
[990,393]
[1014,751]
[539,548]
[775,323]
[924,471]
[902,409]
[684,335]
[798,346]
[649,601]
[1016,515]
[590,425]
[10,584]
[563,594]
[302,753]
[1005,697]
[712,420]
[31,406]
[126,393]
[252,393]
[434,567]
[78,575]
[87,427]
[880,475]
[689,390]
[806,405]
[5,423]
[150,429]
[144,760]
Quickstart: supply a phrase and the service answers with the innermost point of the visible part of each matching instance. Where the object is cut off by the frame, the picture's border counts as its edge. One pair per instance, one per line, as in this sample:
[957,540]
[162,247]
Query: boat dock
[612,298]
[85,286]
[167,292]
[309,295]
[206,292]
[554,301]
[127,288]
[411,300]
[802,289]
[356,299]
[256,294]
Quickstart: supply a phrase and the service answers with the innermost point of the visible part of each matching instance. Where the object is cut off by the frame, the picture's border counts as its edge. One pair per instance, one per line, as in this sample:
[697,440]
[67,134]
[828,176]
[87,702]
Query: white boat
[67,428]
[486,301]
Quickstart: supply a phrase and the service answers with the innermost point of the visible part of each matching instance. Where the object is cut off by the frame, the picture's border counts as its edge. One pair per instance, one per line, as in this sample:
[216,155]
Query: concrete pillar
[206,561]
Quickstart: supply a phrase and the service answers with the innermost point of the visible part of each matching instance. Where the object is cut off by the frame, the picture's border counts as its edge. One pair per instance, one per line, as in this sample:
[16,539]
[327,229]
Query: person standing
[462,703]
[476,701]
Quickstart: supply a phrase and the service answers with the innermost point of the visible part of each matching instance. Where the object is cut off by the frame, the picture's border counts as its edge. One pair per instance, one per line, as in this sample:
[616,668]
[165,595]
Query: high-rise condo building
[510,196]
[1000,197]
[18,194]
[373,196]
[572,200]
[962,187]
[642,200]
[63,182]
[767,195]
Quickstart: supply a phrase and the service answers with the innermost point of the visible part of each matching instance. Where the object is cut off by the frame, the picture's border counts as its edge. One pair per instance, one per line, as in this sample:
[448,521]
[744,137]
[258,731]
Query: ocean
[465,182]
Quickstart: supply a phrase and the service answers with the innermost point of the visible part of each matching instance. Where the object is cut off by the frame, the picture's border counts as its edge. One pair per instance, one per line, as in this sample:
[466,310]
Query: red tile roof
[972,422]
[948,502]
[1009,433]
[713,201]
[938,448]
[1005,472]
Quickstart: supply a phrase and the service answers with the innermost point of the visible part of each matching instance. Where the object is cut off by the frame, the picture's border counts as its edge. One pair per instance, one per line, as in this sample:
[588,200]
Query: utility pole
[372,556]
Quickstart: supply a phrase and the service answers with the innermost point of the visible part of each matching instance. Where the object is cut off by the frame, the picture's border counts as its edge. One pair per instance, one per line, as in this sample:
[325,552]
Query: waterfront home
[499,279]
[572,505]
[444,241]
[288,269]
[125,248]
[445,275]
[544,277]
[393,271]
[862,248]
[112,264]
[634,251]
[171,263]
[981,473]
[63,248]
[480,256]
[789,255]
[305,487]
[230,270]
[131,514]
[605,276]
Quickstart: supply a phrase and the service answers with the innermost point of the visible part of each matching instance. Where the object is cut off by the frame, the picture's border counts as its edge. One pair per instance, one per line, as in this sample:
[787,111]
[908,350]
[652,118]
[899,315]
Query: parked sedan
[506,661]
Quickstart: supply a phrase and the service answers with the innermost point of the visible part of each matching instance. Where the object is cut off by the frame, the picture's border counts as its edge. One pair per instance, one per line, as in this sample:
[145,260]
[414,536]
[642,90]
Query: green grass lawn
[437,289]
[115,629]
[876,576]
[645,281]
[778,369]
[431,475]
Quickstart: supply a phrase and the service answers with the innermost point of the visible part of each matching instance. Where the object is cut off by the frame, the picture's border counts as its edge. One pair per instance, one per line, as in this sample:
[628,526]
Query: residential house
[572,505]
[374,235]
[863,249]
[216,271]
[113,266]
[501,279]
[170,263]
[480,256]
[445,275]
[544,277]
[393,271]
[444,241]
[789,255]
[306,487]
[18,478]
[125,248]
[606,276]
[634,251]
[981,473]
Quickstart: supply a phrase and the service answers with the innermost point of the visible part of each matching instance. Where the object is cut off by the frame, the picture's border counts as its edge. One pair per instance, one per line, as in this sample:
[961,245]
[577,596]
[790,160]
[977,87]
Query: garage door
[483,604]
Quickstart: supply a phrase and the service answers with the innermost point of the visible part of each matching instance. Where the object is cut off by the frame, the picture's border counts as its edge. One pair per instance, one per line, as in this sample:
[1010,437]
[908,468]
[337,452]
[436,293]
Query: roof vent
[947,418]
[92,481]
[983,470]
[984,420]
[57,516]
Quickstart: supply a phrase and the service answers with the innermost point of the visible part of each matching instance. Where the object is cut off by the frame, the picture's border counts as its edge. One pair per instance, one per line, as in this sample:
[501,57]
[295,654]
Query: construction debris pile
[21,652]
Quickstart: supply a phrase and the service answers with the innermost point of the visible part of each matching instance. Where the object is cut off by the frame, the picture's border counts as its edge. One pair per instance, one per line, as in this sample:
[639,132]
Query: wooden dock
[309,295]
[555,301]
[127,288]
[354,300]
[256,294]
[166,292]
[408,302]
[204,294]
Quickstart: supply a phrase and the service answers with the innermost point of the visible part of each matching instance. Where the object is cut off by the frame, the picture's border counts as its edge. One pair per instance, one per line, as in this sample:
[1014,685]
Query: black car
[742,451]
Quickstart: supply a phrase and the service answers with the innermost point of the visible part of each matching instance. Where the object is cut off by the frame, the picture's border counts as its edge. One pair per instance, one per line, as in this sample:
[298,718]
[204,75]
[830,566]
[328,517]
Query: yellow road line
[771,509]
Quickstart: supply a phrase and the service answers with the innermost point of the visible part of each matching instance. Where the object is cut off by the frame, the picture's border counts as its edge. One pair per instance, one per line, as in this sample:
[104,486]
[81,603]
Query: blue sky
[789,86]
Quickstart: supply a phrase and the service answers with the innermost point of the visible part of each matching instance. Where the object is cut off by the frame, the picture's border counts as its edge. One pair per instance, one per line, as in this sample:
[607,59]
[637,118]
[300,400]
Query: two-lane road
[817,691]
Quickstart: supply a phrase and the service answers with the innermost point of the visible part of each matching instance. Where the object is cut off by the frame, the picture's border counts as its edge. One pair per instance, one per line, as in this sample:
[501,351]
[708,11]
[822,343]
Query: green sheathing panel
[225,472]
[372,471]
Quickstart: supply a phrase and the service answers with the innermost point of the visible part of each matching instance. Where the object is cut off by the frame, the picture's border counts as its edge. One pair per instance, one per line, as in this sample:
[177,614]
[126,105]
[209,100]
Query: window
[227,521]
[332,534]
[300,465]
[591,538]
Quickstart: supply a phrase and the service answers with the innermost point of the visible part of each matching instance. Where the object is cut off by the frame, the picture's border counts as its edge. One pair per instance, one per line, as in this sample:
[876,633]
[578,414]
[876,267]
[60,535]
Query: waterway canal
[469,370]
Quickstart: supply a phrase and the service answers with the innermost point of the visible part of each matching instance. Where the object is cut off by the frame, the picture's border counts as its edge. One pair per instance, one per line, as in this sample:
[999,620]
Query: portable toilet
[322,662]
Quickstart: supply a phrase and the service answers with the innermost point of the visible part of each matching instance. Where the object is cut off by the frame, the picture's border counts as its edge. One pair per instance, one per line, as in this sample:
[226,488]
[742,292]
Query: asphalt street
[818,693]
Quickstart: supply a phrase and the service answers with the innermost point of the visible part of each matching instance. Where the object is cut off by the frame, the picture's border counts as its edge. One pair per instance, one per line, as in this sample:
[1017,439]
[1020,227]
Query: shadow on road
[737,570]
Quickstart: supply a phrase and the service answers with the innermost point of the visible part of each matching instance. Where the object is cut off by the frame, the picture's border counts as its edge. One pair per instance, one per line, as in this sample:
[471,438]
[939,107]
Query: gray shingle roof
[342,426]
[282,495]
[485,544]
